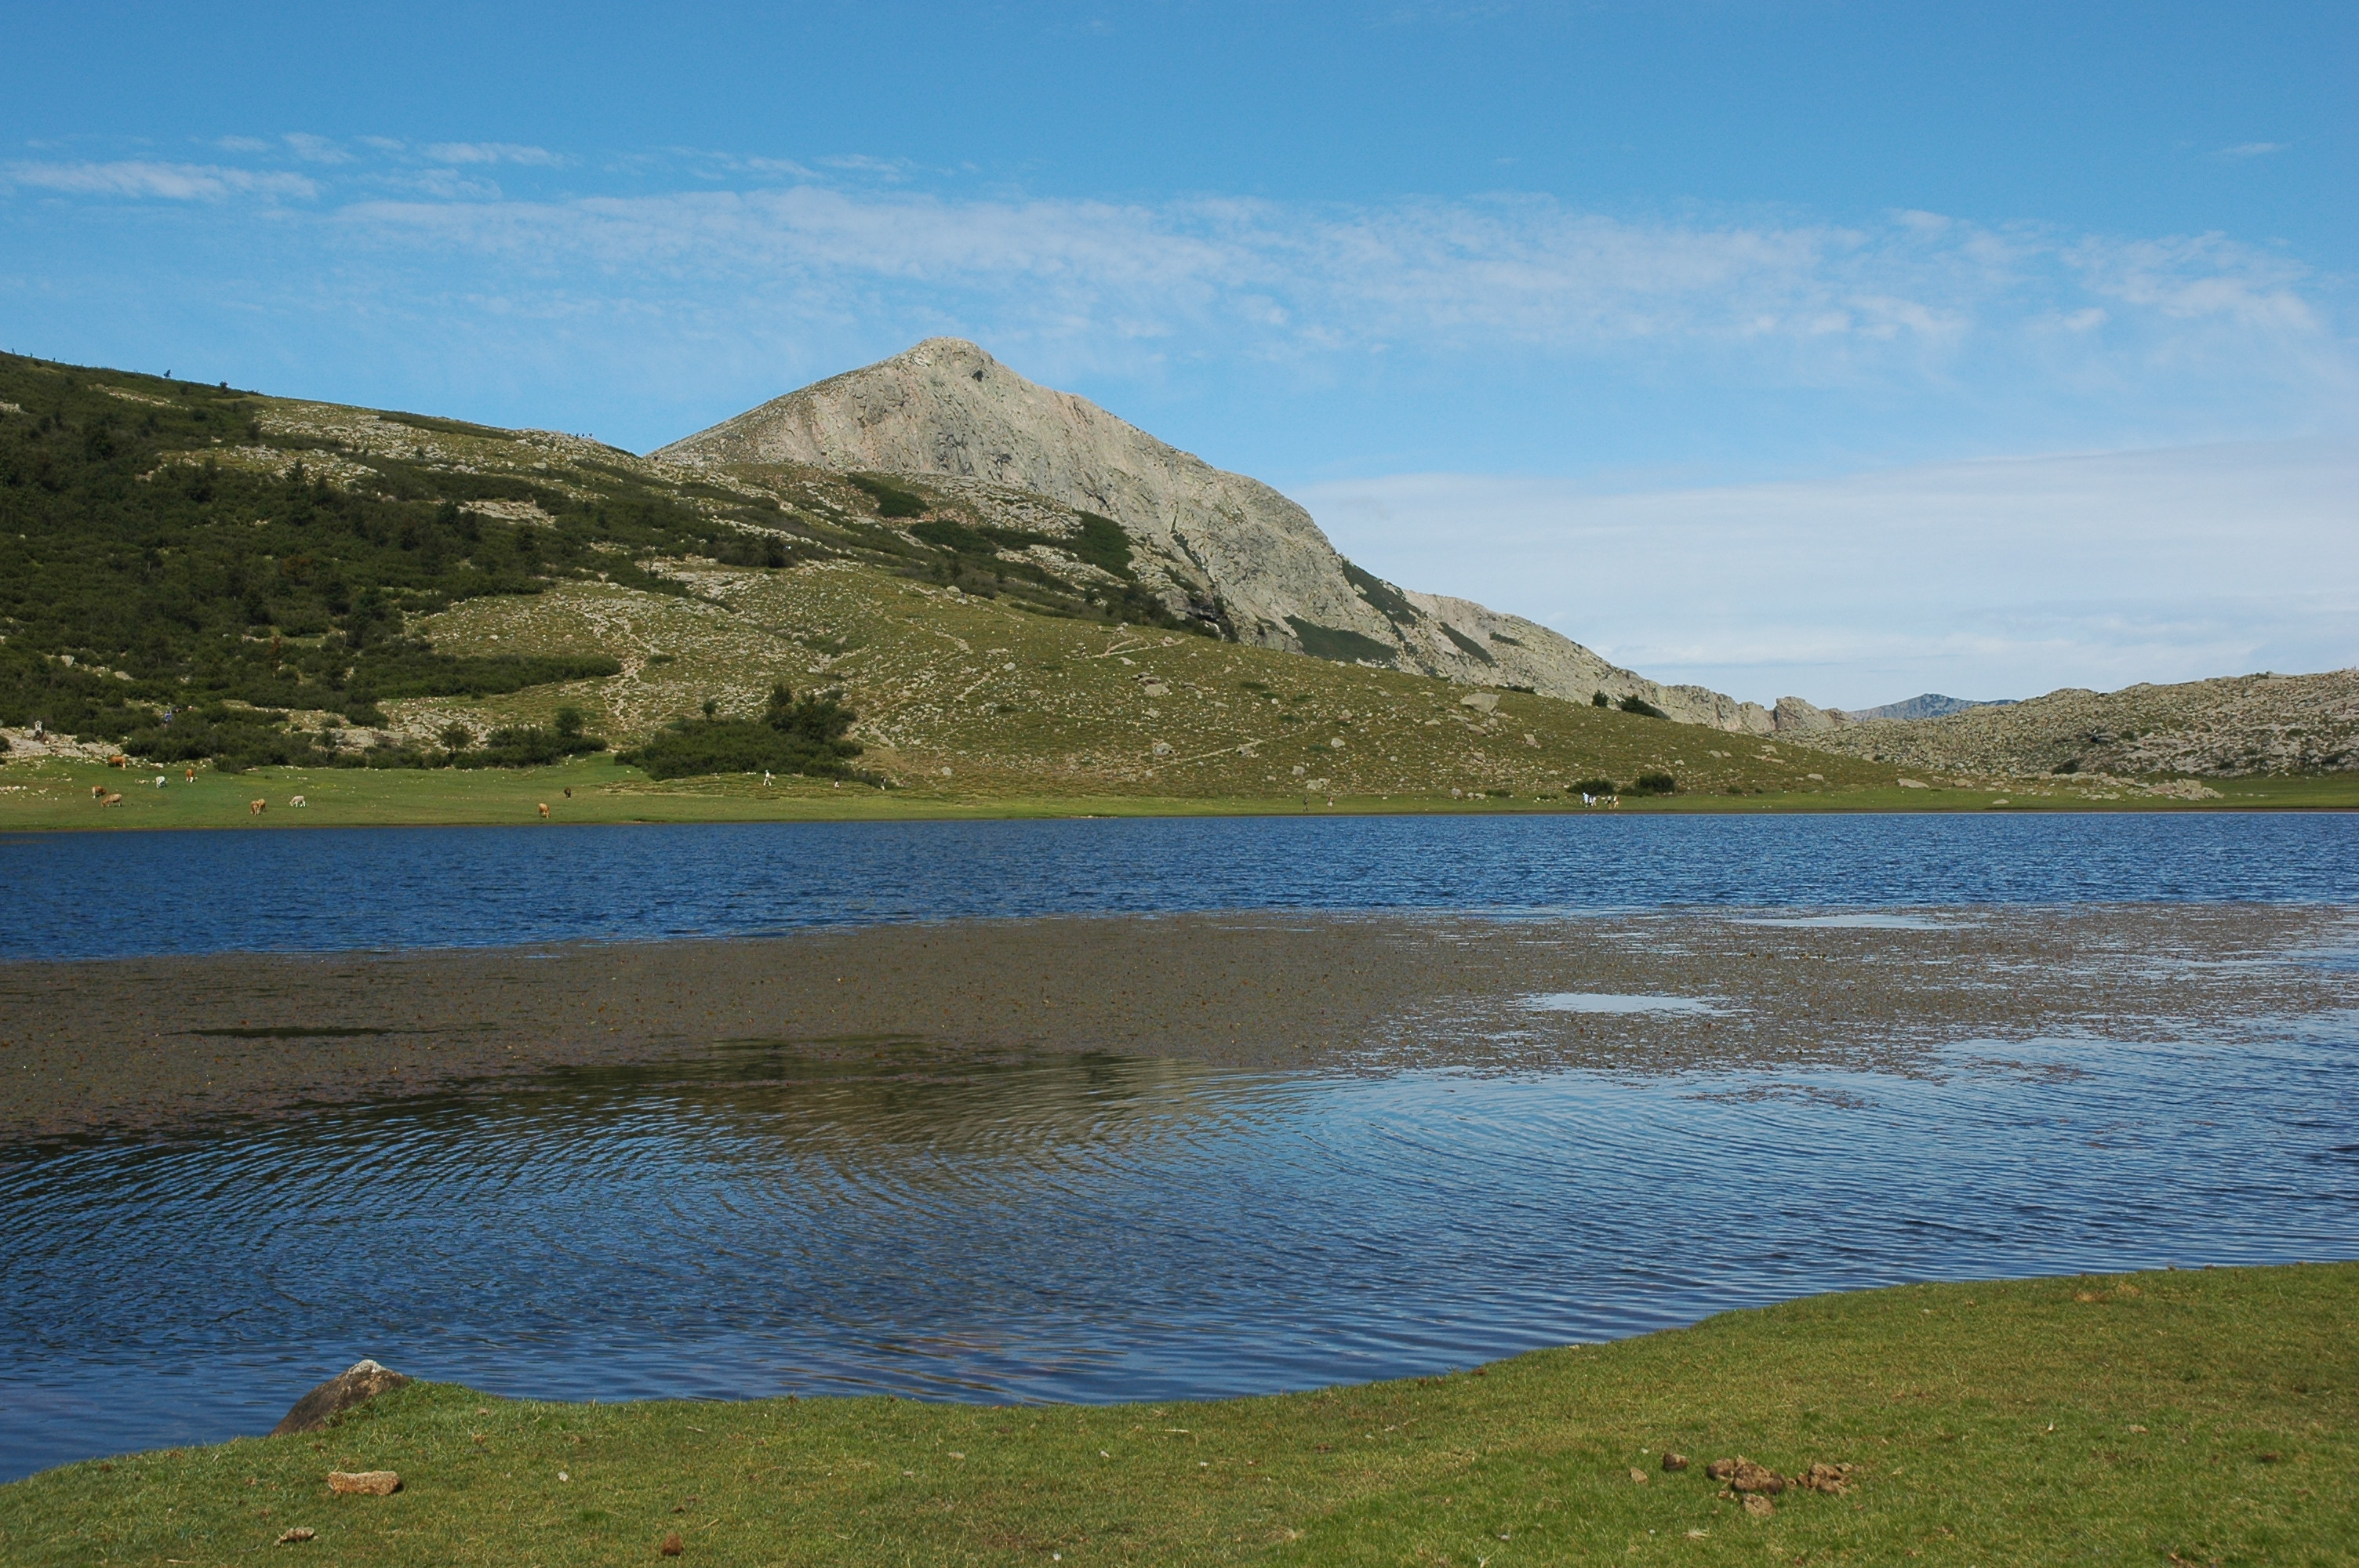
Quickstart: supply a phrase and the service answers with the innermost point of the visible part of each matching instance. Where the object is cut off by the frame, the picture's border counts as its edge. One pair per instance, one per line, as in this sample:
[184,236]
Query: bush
[794,735]
[892,501]
[1600,700]
[1596,787]
[1656,784]
[1640,706]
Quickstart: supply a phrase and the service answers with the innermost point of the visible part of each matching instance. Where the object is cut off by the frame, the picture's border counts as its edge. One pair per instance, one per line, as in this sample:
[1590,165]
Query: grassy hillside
[191,571]
[995,697]
[2195,1417]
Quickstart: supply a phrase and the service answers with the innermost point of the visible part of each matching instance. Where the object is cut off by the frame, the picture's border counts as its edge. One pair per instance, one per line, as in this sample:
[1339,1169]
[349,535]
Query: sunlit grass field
[37,794]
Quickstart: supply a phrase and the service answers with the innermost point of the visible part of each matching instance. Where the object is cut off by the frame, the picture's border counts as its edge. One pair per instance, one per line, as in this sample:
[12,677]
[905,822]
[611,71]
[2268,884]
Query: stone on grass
[364,1483]
[363,1380]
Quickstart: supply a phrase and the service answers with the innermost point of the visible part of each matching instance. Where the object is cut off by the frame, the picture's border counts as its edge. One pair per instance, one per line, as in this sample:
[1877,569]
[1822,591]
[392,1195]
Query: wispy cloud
[696,275]
[315,149]
[165,181]
[1827,301]
[492,152]
[2251,149]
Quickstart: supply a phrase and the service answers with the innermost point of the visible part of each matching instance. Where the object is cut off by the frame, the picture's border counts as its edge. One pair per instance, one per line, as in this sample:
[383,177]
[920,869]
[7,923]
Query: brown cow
[98,792]
[192,776]
[112,800]
[256,807]
[118,761]
[544,811]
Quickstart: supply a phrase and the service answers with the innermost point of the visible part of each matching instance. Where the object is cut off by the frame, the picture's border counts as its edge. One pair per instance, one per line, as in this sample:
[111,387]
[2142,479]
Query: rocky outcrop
[362,1380]
[1792,716]
[2239,725]
[1214,546]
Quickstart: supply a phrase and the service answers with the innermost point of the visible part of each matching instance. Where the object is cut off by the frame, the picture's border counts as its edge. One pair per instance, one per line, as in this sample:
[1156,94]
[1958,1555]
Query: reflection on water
[1101,1228]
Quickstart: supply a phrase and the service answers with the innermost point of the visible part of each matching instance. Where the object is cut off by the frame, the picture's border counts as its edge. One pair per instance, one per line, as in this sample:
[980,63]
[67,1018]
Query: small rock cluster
[1753,1484]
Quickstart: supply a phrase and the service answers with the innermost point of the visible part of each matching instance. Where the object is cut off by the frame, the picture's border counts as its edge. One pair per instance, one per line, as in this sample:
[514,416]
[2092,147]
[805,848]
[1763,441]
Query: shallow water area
[1608,1002]
[1103,1227]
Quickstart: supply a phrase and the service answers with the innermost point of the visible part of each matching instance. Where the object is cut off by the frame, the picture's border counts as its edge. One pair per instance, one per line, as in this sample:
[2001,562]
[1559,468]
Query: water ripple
[1097,1228]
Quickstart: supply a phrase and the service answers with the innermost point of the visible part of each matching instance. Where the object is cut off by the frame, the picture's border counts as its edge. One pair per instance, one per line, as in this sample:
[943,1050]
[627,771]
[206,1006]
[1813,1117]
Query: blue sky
[1836,349]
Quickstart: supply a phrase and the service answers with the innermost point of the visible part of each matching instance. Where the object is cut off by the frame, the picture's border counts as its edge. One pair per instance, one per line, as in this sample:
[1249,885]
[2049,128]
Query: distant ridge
[1932,705]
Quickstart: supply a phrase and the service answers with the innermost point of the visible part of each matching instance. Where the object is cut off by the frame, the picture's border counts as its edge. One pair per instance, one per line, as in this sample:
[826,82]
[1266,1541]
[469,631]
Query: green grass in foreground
[39,793]
[2124,1419]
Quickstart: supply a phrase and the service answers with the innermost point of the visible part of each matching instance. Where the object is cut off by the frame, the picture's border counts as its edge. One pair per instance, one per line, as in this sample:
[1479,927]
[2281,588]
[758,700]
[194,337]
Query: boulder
[364,1483]
[1793,716]
[363,1380]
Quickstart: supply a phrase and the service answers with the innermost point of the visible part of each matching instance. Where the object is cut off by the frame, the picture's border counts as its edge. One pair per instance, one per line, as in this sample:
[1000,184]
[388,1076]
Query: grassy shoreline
[50,795]
[2194,1416]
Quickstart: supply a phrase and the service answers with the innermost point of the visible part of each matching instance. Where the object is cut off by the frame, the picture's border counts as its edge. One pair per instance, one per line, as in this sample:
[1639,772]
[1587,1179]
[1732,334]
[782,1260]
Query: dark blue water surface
[1108,1228]
[105,894]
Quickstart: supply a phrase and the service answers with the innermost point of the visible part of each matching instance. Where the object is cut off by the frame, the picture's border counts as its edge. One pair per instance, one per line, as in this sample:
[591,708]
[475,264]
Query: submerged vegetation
[2203,1416]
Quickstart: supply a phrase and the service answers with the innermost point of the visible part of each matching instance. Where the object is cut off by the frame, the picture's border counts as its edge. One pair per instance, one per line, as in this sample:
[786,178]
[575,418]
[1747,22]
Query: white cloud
[492,152]
[1818,304]
[1998,578]
[315,149]
[2251,149]
[168,181]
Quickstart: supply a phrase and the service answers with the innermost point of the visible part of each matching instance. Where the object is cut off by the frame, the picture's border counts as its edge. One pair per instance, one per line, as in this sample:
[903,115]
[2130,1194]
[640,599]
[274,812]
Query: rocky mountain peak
[1220,548]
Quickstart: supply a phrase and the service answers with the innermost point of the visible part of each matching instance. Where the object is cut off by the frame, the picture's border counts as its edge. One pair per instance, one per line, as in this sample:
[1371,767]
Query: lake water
[106,895]
[1110,1227]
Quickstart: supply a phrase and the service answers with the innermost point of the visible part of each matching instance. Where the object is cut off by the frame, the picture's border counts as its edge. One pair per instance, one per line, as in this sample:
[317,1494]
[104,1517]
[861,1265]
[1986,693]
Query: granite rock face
[1217,546]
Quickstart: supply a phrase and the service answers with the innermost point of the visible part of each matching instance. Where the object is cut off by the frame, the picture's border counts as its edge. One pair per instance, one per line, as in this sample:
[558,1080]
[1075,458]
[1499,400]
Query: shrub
[1600,700]
[1656,784]
[1596,787]
[794,735]
[1640,706]
[892,501]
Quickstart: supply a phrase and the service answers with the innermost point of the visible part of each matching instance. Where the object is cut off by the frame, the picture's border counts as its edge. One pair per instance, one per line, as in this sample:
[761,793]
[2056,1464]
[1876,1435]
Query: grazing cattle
[98,792]
[767,780]
[118,761]
[568,791]
[256,807]
[544,811]
[112,800]
[191,775]
[160,780]
[299,800]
